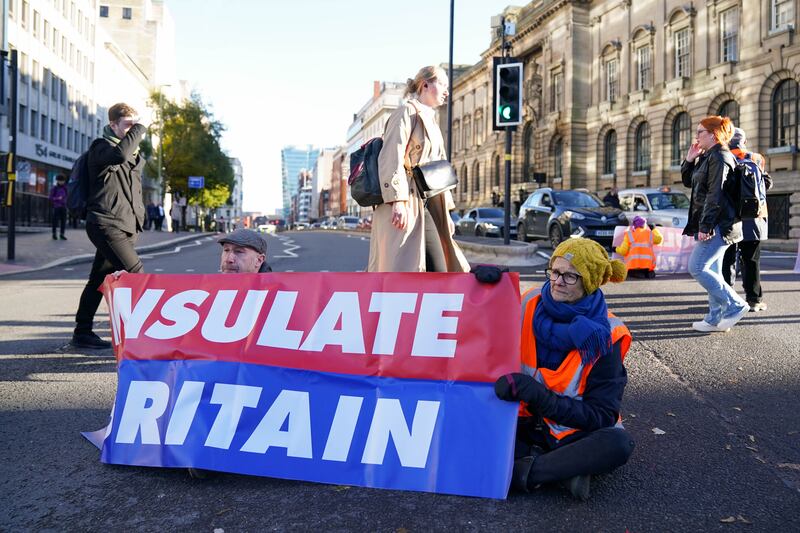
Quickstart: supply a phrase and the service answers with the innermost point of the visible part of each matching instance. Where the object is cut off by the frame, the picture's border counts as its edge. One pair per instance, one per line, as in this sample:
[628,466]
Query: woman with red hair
[712,220]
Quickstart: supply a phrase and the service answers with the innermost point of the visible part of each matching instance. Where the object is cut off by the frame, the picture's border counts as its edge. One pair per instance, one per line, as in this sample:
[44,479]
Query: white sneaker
[729,322]
[705,327]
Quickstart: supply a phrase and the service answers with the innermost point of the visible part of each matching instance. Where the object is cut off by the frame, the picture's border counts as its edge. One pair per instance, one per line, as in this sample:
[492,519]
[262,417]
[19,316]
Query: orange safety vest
[640,254]
[570,378]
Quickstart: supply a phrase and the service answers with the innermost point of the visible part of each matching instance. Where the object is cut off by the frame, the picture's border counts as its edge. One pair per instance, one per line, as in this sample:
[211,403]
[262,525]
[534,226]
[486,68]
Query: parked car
[555,215]
[316,225]
[483,222]
[300,225]
[267,228]
[456,217]
[366,223]
[348,222]
[660,206]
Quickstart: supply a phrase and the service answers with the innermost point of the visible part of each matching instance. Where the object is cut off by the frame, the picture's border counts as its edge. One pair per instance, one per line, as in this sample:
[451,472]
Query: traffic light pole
[450,87]
[507,158]
[11,168]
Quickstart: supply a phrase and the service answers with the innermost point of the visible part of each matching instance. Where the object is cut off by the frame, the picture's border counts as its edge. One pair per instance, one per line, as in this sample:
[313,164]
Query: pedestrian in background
[611,198]
[753,232]
[637,247]
[408,233]
[573,377]
[152,214]
[175,214]
[114,212]
[58,201]
[712,221]
[159,217]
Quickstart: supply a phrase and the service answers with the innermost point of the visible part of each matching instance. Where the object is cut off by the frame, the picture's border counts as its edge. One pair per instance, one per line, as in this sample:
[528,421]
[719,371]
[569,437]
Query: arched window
[681,137]
[784,114]
[610,153]
[463,182]
[529,158]
[496,176]
[558,158]
[642,148]
[730,109]
[476,177]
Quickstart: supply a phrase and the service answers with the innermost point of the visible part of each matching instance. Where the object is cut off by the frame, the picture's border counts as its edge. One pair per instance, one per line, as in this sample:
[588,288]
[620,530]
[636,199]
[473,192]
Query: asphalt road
[715,418]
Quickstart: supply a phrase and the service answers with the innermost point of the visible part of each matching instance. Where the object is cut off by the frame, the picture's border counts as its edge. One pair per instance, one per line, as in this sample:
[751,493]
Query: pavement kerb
[518,255]
[85,258]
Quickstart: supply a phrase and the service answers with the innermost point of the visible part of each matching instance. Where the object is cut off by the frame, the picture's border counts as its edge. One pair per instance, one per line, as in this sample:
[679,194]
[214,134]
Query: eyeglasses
[570,278]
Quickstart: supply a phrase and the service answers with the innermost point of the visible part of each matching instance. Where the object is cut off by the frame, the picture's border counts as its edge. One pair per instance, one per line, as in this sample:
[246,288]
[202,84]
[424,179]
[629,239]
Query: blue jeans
[705,266]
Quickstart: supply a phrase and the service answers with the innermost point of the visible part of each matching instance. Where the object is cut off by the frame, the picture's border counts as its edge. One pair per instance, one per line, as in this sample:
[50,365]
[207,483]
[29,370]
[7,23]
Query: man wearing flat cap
[243,251]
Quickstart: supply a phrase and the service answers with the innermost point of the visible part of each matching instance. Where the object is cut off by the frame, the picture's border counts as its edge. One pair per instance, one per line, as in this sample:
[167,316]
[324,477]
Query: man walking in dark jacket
[58,199]
[115,212]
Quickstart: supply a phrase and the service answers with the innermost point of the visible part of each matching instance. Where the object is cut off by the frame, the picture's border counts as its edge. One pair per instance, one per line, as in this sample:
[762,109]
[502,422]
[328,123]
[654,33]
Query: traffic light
[507,94]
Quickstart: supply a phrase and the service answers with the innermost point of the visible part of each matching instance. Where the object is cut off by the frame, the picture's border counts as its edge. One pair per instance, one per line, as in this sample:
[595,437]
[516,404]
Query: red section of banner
[423,326]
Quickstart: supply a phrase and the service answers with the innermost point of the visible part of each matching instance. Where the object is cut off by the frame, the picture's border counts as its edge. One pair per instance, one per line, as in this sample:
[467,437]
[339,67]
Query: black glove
[488,273]
[516,386]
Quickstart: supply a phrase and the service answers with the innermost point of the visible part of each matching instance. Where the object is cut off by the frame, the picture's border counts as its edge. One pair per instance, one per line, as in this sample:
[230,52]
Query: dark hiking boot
[54,237]
[578,486]
[521,472]
[63,237]
[89,340]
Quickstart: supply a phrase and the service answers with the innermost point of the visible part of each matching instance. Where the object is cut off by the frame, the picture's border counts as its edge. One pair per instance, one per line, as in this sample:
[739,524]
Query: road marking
[288,250]
[543,254]
[69,268]
[158,270]
[324,270]
[363,238]
[145,256]
[288,270]
[189,270]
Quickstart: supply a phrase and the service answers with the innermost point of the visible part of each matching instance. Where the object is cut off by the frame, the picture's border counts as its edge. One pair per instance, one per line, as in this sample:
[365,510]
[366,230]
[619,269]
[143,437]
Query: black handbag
[434,177]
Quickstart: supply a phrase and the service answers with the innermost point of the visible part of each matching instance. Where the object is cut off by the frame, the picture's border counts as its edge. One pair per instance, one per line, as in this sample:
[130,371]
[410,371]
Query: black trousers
[434,252]
[750,266]
[115,251]
[59,218]
[594,452]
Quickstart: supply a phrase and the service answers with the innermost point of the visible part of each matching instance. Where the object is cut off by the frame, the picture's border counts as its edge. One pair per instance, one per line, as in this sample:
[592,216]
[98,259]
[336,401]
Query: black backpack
[748,189]
[365,185]
[78,184]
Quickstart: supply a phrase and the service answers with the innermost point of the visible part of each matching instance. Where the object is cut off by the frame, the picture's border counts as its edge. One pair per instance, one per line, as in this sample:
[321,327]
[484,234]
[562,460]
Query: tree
[190,147]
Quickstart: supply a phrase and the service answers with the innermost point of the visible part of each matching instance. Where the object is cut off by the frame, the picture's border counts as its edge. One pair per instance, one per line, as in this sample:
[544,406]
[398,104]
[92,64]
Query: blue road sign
[196,182]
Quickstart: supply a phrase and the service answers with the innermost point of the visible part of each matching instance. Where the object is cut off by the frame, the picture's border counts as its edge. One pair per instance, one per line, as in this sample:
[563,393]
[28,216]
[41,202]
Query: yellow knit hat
[591,261]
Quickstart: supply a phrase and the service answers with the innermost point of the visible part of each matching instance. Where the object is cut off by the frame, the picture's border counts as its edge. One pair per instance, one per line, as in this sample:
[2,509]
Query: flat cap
[245,237]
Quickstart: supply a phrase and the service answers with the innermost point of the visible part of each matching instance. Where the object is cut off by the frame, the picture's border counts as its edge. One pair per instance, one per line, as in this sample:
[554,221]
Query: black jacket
[710,206]
[115,187]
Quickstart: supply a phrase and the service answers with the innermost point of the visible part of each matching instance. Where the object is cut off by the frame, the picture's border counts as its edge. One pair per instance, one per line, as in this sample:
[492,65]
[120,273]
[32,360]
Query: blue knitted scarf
[561,327]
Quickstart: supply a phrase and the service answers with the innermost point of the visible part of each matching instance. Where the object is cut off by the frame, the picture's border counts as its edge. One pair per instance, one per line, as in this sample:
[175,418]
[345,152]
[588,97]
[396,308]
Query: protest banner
[378,380]
[672,255]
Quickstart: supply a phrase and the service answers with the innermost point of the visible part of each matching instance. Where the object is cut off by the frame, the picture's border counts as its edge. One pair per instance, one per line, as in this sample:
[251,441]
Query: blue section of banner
[468,450]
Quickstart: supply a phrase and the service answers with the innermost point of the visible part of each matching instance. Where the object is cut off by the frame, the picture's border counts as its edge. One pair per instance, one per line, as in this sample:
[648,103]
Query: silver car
[661,206]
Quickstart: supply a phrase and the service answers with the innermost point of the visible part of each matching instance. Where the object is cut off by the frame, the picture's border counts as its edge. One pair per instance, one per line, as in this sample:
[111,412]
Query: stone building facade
[614,91]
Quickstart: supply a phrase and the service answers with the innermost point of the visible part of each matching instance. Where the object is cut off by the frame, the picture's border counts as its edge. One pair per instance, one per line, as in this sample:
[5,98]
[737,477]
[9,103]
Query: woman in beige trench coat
[404,229]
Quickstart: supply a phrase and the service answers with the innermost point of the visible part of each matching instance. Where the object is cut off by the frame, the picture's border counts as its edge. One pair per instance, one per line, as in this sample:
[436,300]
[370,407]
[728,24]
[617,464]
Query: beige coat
[391,249]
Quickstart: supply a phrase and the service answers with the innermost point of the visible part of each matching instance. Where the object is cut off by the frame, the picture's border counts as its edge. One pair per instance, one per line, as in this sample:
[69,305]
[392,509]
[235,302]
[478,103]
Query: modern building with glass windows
[613,92]
[295,159]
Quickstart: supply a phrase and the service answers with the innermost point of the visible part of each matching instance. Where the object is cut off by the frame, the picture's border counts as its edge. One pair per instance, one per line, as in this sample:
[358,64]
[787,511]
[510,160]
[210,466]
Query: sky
[280,73]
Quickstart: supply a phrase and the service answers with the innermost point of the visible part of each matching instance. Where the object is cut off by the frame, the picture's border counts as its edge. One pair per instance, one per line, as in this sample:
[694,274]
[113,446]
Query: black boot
[578,486]
[521,472]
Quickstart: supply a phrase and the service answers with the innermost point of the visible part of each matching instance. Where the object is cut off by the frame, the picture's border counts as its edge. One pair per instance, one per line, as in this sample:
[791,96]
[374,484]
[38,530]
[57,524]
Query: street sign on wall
[196,182]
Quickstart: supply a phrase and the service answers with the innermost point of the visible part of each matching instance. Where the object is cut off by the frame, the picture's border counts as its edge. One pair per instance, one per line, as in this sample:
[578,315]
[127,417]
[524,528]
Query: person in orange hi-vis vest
[637,247]
[572,377]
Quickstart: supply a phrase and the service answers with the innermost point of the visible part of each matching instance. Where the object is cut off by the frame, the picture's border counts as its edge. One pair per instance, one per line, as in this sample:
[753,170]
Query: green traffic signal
[505,112]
